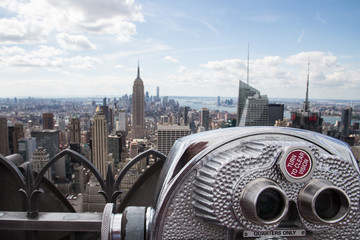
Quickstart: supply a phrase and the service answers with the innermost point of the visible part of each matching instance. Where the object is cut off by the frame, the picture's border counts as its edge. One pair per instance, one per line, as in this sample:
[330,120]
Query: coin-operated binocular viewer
[250,183]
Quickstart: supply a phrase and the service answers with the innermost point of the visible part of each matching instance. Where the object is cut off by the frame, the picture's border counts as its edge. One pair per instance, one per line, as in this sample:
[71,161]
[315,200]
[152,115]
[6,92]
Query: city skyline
[82,49]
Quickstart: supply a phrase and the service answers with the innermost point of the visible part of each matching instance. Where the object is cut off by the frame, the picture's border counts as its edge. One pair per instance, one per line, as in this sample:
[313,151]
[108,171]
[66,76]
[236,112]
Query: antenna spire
[247,76]
[306,103]
[138,71]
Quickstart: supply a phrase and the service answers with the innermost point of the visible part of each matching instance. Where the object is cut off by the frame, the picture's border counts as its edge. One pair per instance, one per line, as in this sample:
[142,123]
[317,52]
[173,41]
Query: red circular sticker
[298,164]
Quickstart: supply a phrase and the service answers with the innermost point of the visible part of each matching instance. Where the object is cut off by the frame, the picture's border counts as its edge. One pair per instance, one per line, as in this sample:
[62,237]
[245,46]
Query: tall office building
[186,117]
[92,200]
[115,145]
[306,119]
[15,133]
[133,149]
[147,97]
[138,108]
[110,120]
[122,122]
[256,111]
[79,178]
[100,142]
[4,139]
[205,118]
[50,140]
[62,125]
[345,122]
[48,121]
[157,93]
[276,112]
[27,147]
[168,134]
[165,101]
[18,134]
[253,108]
[39,159]
[105,110]
[245,91]
[75,135]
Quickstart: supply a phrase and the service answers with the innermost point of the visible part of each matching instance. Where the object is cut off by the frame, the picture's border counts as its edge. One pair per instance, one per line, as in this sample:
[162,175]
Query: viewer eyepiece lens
[328,204]
[269,205]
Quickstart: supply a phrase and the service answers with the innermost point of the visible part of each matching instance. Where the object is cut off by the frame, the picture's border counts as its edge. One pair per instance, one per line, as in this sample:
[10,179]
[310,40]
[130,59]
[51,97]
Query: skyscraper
[256,111]
[75,136]
[48,121]
[168,134]
[27,147]
[4,139]
[253,109]
[186,117]
[345,122]
[276,112]
[147,97]
[100,142]
[105,110]
[122,123]
[245,91]
[306,119]
[115,146]
[39,159]
[138,108]
[157,93]
[50,140]
[75,130]
[15,133]
[205,118]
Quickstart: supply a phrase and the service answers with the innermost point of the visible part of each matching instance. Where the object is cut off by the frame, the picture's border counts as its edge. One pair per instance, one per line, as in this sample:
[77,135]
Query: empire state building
[138,108]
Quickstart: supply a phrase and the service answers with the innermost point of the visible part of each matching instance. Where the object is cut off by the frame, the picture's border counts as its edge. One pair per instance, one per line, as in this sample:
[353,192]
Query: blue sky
[81,48]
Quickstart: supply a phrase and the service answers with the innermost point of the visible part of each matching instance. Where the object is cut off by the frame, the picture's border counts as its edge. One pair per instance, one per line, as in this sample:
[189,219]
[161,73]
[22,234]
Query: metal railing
[33,220]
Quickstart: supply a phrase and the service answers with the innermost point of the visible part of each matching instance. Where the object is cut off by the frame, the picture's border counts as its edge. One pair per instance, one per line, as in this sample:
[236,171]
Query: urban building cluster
[113,131]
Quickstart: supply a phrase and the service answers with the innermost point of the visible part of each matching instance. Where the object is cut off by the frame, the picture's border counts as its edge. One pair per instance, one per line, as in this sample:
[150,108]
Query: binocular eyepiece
[323,203]
[263,202]
[251,183]
[320,202]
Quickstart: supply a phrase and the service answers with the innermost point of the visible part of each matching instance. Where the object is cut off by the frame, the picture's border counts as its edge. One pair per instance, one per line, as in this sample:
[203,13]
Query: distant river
[198,103]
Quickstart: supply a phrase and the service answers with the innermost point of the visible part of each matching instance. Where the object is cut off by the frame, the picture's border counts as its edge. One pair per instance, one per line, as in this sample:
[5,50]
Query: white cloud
[44,57]
[208,25]
[32,21]
[319,18]
[106,9]
[46,52]
[83,63]
[119,66]
[272,75]
[143,47]
[171,59]
[74,42]
[22,31]
[181,69]
[9,51]
[300,38]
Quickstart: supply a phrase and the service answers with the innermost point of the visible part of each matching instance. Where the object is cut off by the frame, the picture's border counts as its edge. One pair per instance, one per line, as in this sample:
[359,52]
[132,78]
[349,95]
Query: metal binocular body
[250,183]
